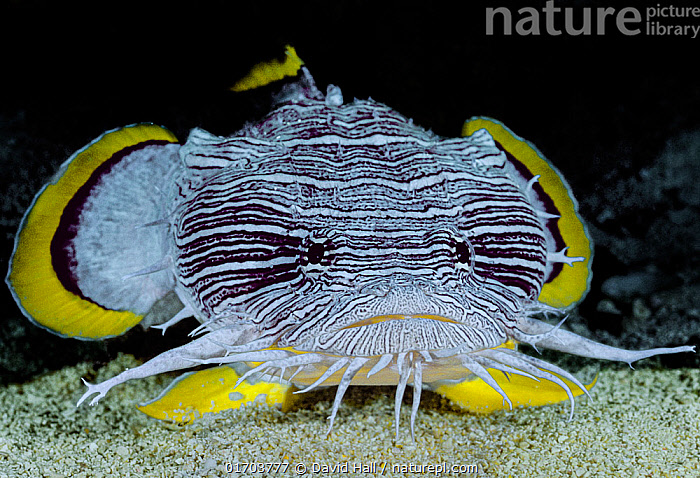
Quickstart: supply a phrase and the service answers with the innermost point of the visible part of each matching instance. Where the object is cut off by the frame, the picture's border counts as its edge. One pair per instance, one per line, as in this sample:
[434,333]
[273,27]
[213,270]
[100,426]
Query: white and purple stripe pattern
[389,202]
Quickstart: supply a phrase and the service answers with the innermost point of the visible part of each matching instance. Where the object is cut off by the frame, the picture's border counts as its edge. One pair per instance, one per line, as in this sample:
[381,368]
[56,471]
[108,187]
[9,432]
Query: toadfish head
[344,237]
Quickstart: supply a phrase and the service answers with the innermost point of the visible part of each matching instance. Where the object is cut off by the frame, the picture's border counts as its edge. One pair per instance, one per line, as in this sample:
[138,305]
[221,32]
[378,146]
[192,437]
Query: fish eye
[316,252]
[462,252]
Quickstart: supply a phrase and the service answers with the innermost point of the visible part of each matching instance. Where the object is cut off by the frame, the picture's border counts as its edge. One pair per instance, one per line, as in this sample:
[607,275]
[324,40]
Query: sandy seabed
[642,423]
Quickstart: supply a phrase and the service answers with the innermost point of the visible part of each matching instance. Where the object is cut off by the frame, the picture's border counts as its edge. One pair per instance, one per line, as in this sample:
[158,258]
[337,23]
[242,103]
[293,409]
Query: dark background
[617,115]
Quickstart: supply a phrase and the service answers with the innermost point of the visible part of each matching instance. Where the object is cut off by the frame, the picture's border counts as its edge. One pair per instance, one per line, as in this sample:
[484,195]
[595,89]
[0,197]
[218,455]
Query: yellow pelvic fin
[571,284]
[478,397]
[32,279]
[269,71]
[210,391]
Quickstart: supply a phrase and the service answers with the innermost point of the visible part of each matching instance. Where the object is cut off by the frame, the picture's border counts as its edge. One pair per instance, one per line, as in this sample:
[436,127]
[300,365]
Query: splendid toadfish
[330,243]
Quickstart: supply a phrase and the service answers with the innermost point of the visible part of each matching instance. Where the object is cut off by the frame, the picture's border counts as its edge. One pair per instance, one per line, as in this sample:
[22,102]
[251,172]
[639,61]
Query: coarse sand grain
[641,423]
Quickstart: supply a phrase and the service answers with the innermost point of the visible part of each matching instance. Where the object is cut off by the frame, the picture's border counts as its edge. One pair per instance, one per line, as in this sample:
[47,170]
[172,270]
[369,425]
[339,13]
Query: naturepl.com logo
[554,19]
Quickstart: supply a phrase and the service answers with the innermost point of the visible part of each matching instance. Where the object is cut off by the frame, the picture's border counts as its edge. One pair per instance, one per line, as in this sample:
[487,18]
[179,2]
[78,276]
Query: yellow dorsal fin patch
[39,292]
[269,71]
[210,391]
[569,284]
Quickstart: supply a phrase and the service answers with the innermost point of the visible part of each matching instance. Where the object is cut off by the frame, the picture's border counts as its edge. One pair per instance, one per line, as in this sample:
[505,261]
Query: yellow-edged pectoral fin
[269,71]
[566,285]
[40,275]
[478,397]
[210,391]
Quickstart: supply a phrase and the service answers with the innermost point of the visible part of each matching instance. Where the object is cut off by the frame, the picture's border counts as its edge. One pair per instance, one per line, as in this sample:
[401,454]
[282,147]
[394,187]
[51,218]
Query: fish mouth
[381,343]
[383,367]
[434,337]
[389,317]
